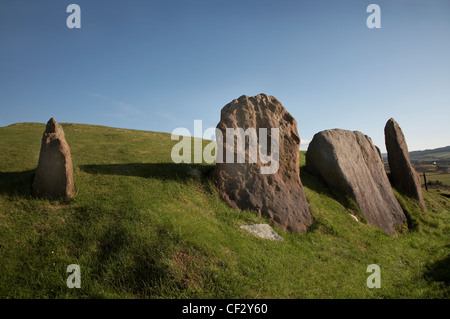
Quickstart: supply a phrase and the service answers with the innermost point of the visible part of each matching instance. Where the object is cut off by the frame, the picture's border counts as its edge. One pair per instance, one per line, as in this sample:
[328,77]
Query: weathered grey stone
[278,196]
[54,175]
[349,162]
[263,231]
[403,175]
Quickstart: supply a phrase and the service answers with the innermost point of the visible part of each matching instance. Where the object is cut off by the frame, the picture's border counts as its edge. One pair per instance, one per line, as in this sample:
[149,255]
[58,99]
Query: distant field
[432,177]
[433,173]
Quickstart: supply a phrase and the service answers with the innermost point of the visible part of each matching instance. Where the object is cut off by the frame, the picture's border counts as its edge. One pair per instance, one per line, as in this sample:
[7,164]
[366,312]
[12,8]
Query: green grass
[434,177]
[140,227]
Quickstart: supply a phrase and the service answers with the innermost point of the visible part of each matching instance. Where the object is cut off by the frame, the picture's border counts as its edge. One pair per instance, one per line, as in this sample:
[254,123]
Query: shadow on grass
[147,170]
[317,184]
[411,217]
[313,182]
[440,271]
[16,183]
[132,265]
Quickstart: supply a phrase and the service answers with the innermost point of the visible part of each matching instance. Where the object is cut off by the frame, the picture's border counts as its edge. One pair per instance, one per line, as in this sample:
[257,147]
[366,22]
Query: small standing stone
[54,174]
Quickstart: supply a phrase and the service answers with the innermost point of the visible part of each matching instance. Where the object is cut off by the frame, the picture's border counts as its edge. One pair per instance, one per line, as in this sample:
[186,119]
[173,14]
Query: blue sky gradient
[159,65]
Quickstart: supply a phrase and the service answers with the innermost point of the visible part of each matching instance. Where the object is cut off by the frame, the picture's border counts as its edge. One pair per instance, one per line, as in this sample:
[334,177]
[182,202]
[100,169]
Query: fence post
[425,179]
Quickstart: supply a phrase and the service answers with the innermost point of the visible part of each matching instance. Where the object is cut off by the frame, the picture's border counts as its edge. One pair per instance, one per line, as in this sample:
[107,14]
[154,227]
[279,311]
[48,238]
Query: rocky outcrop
[349,162]
[54,176]
[403,175]
[271,188]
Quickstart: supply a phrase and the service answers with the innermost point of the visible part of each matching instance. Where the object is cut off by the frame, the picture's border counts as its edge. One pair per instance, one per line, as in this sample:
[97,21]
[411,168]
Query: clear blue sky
[159,65]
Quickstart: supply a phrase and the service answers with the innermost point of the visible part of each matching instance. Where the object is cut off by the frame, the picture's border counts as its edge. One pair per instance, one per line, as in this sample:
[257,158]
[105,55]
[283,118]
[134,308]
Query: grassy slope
[139,227]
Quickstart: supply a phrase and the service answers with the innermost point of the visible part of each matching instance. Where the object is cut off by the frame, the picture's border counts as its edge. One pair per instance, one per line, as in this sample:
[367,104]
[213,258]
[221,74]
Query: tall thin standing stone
[403,175]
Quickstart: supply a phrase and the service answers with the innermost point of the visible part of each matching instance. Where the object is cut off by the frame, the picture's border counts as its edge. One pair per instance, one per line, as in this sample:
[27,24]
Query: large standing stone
[403,175]
[278,196]
[349,162]
[54,176]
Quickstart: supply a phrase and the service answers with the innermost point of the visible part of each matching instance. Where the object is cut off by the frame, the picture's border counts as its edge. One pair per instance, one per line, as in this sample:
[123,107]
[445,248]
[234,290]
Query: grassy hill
[140,227]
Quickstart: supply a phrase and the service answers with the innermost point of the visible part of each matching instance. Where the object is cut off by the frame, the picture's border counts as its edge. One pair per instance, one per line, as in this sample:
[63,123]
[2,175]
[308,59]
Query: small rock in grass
[263,231]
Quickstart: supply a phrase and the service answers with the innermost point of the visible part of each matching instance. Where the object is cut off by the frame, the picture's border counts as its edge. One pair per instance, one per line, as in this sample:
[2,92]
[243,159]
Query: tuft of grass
[141,227]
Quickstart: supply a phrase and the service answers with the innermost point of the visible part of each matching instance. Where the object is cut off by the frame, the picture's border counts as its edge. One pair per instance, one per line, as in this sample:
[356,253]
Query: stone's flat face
[403,175]
[263,231]
[278,196]
[54,174]
[349,162]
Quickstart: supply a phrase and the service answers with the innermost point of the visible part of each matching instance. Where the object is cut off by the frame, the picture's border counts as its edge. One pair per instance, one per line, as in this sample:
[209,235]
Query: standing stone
[349,162]
[54,176]
[403,175]
[278,196]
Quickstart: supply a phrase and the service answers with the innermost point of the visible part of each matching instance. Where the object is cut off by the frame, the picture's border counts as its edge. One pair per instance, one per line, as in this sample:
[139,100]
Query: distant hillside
[437,154]
[442,153]
[435,163]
